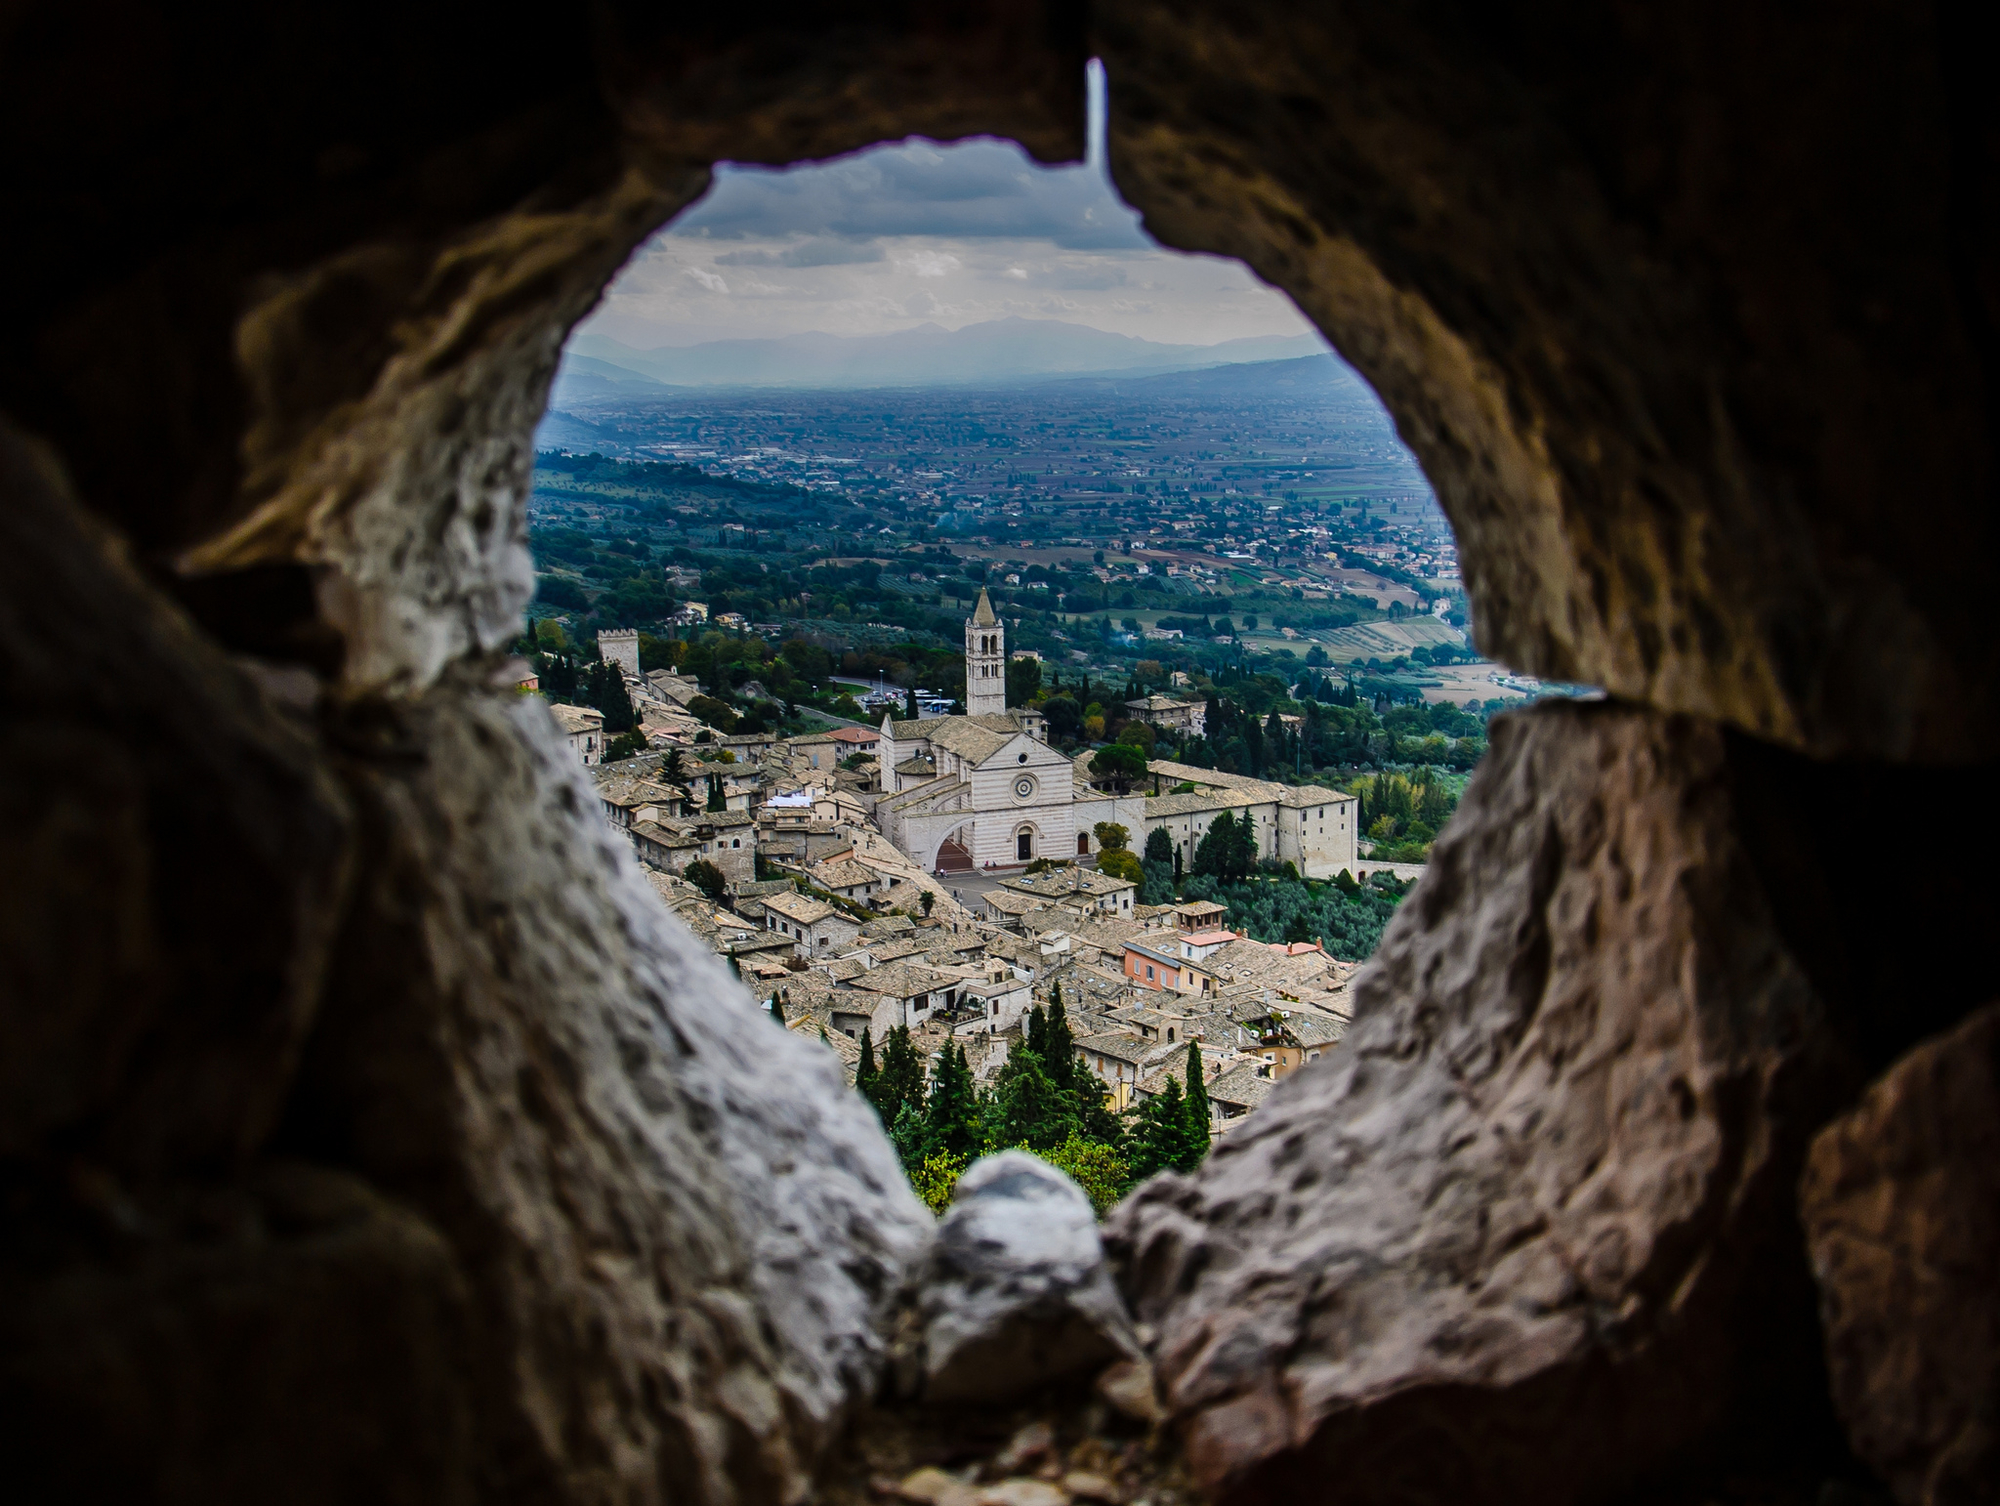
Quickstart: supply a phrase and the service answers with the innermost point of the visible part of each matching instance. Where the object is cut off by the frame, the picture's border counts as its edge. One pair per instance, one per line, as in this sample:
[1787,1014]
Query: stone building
[583,727]
[1167,711]
[1305,824]
[986,790]
[818,929]
[620,646]
[985,661]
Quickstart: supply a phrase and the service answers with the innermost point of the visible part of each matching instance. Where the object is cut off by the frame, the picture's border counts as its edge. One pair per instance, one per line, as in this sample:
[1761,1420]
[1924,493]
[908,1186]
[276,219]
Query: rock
[189,851]
[333,1324]
[1901,1203]
[1032,1445]
[1086,1486]
[931,1486]
[1525,1230]
[523,1043]
[1016,1293]
[1129,1388]
[1021,1493]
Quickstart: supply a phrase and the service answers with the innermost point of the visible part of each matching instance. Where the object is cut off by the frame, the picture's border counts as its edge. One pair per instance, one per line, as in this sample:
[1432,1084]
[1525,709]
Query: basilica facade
[985,790]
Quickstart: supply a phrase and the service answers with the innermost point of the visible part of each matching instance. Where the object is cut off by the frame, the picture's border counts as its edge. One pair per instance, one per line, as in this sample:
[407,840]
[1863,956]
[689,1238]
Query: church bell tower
[985,661]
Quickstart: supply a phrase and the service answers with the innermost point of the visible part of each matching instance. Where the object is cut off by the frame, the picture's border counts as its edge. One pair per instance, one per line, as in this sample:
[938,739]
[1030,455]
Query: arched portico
[954,850]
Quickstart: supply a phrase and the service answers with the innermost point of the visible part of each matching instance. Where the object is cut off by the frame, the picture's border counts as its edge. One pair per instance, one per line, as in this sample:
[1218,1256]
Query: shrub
[706,877]
[1120,863]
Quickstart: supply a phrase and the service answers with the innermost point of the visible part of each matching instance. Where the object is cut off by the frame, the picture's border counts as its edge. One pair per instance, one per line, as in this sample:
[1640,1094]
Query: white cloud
[928,263]
[710,280]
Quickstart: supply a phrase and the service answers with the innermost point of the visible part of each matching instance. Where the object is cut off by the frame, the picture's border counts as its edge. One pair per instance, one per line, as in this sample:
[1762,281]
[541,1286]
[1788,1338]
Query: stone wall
[371,1132]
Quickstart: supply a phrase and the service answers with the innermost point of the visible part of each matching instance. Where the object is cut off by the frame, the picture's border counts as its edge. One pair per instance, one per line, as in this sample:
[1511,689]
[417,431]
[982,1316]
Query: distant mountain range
[998,351]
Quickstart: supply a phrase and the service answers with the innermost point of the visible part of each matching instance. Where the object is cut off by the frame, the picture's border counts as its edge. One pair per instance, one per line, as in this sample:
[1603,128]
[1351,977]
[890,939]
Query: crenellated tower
[985,661]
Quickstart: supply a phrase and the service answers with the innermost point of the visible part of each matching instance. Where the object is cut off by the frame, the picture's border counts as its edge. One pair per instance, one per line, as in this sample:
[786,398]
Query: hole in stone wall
[885,500]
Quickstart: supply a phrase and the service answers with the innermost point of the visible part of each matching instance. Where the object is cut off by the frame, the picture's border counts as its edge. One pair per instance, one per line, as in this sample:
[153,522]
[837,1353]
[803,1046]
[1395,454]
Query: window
[1082,844]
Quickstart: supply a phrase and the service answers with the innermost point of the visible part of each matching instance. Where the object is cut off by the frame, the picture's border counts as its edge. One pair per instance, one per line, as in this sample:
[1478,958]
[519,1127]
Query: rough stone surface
[1690,315]
[1505,1241]
[176,855]
[611,1236]
[1015,1293]
[685,1224]
[1901,1201]
[289,1335]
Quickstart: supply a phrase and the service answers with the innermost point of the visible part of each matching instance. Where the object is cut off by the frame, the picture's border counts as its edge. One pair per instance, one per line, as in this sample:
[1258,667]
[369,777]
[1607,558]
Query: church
[985,790]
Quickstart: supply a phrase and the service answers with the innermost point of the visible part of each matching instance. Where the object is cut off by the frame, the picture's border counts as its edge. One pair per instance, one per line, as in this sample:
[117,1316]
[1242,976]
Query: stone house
[1308,825]
[816,928]
[897,993]
[583,727]
[1119,1060]
[1167,711]
[850,880]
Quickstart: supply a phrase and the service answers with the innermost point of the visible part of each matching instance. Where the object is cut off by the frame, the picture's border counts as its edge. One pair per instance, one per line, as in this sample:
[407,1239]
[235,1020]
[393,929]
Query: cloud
[820,251]
[929,263]
[710,280]
[967,190]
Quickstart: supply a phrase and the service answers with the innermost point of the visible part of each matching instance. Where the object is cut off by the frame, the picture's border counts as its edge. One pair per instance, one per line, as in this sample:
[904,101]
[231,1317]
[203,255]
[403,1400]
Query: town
[1052,755]
[952,896]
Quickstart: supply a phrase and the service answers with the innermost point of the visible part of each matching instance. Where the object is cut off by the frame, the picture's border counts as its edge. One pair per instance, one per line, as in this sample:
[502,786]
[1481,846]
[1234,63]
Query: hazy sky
[917,232]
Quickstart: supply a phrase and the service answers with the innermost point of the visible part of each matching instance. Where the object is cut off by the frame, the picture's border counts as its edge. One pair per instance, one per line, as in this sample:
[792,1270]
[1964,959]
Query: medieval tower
[985,661]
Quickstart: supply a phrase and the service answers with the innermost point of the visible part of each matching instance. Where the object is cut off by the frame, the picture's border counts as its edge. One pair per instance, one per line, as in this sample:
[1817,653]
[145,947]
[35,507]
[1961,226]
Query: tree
[718,800]
[951,1113]
[625,745]
[1099,1169]
[1138,735]
[1111,836]
[1120,863]
[706,877]
[673,767]
[901,1080]
[936,1179]
[1065,718]
[1159,846]
[1024,678]
[1159,1137]
[865,1074]
[1026,1109]
[604,688]
[1059,1044]
[1120,763]
[1227,850]
[1198,1118]
[714,712]
[927,899]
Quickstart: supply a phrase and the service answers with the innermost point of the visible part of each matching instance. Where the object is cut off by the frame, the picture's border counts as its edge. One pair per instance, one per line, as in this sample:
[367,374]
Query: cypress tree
[1159,1139]
[1059,1044]
[1027,1109]
[865,1074]
[902,1076]
[951,1115]
[1032,1030]
[1196,1109]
